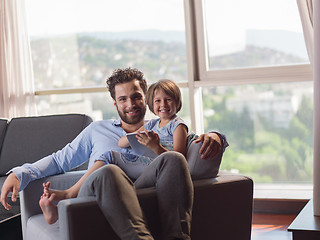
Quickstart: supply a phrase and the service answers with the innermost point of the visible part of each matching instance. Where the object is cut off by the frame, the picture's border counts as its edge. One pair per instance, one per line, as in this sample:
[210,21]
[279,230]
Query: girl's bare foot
[59,194]
[49,209]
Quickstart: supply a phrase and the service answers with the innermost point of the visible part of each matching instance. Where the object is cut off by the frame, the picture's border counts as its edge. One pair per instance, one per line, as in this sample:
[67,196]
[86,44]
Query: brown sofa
[222,210]
[222,204]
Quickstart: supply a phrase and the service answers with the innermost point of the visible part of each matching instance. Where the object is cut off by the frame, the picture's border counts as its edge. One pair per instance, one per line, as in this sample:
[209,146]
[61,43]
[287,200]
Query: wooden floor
[271,227]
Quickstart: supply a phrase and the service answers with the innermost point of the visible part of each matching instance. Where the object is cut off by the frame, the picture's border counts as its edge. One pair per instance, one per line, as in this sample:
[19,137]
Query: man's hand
[11,184]
[211,145]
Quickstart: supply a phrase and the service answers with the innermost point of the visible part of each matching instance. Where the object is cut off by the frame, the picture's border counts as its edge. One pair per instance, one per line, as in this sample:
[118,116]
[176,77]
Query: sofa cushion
[29,139]
[38,228]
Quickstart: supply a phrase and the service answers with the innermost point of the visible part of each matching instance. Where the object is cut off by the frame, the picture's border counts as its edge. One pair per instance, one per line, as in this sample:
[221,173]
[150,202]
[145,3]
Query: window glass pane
[96,105]
[269,128]
[251,33]
[79,42]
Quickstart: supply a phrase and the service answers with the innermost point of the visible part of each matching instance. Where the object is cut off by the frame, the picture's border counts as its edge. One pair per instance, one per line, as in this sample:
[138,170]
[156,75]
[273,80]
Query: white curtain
[16,75]
[316,112]
[306,14]
[310,18]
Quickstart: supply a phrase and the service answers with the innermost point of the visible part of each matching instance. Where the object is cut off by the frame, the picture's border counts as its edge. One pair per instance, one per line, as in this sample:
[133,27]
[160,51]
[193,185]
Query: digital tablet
[139,148]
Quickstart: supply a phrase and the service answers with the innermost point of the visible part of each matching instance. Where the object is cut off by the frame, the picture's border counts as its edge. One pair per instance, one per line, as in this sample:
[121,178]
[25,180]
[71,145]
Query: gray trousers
[116,196]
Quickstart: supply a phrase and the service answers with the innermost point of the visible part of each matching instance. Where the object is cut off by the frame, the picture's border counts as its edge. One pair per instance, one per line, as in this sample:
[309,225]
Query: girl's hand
[149,139]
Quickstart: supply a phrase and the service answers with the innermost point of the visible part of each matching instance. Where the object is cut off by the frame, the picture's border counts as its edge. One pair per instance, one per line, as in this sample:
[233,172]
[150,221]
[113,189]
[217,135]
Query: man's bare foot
[49,209]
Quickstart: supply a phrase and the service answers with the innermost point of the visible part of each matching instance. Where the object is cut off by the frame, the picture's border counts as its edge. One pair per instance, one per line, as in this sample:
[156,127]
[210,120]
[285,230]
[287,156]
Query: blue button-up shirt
[96,139]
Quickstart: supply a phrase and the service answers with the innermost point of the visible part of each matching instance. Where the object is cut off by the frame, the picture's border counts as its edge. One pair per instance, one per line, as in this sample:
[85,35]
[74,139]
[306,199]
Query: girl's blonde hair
[169,87]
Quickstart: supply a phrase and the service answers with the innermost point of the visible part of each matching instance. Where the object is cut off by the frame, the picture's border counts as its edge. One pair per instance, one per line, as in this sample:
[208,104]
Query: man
[114,191]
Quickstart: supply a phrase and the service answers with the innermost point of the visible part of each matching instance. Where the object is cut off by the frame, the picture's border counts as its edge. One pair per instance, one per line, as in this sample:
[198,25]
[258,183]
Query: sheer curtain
[16,76]
[310,18]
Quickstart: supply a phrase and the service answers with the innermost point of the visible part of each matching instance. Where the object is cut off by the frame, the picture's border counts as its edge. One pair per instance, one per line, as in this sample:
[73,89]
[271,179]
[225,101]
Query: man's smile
[133,112]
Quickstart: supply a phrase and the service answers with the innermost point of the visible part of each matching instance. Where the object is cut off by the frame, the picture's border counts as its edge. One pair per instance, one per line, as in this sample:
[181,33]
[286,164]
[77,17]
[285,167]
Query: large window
[78,43]
[242,66]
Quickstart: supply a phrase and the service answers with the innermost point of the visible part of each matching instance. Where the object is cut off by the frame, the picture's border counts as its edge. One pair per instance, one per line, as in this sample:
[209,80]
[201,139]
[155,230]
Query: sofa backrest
[29,139]
[3,128]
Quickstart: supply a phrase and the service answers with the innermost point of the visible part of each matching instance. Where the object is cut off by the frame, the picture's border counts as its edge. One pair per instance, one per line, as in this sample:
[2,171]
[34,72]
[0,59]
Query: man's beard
[133,119]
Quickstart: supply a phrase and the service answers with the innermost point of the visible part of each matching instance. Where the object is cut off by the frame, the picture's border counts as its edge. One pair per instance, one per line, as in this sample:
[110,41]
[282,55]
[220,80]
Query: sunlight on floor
[271,227]
[270,232]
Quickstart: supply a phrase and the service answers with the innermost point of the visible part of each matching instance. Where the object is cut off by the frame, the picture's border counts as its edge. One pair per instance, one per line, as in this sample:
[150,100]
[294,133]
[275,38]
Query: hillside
[81,60]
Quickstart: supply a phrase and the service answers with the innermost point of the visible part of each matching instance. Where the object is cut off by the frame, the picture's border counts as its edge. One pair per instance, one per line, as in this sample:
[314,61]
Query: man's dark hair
[123,76]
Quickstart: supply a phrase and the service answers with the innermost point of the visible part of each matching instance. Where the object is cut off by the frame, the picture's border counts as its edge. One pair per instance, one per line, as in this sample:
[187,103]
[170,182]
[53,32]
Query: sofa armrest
[223,207]
[30,196]
[77,215]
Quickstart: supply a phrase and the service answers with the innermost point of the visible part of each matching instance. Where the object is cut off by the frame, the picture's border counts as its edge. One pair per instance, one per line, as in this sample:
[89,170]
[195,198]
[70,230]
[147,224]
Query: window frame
[270,74]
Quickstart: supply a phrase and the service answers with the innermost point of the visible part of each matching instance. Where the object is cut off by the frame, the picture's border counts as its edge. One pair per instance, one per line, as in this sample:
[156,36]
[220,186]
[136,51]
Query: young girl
[166,133]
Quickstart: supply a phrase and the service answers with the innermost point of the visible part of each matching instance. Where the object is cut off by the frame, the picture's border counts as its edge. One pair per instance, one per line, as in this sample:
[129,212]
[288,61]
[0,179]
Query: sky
[227,20]
[65,16]
[108,15]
